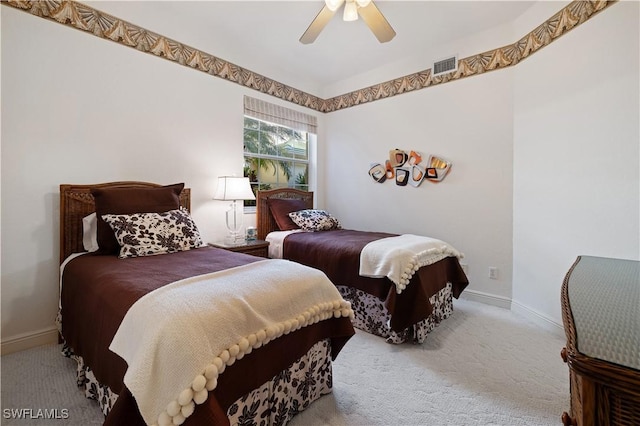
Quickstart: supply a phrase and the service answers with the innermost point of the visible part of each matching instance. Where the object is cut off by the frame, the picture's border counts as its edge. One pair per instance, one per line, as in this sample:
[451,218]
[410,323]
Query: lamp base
[236,239]
[234,225]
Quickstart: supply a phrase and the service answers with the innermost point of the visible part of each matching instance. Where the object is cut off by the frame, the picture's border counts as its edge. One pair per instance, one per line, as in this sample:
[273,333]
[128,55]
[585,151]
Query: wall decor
[92,21]
[414,158]
[389,170]
[402,176]
[417,175]
[378,172]
[408,168]
[397,157]
[440,166]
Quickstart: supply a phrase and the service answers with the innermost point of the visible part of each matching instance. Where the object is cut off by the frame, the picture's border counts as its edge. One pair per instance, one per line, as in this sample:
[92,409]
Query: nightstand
[255,247]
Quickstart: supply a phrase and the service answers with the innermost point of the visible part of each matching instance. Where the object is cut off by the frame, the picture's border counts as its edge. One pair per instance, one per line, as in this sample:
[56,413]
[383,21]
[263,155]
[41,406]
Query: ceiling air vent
[445,66]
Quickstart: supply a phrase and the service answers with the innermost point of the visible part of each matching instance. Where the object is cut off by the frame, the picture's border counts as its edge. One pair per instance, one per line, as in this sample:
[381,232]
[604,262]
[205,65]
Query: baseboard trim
[532,315]
[538,318]
[486,298]
[29,340]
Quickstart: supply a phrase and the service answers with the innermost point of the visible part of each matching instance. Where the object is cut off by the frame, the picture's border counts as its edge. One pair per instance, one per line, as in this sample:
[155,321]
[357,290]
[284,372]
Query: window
[276,148]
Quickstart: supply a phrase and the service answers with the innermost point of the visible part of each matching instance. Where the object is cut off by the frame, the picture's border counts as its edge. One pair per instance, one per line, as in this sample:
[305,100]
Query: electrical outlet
[493,272]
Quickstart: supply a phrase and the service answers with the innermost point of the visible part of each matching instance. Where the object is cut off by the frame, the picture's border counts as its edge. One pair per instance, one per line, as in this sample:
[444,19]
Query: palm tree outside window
[275,155]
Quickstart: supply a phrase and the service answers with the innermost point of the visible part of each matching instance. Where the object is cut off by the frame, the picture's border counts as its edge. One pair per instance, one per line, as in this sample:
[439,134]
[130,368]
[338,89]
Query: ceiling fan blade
[376,21]
[320,21]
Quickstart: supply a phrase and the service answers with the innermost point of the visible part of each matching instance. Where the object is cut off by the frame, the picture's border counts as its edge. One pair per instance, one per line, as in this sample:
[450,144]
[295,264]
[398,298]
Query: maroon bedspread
[97,292]
[337,254]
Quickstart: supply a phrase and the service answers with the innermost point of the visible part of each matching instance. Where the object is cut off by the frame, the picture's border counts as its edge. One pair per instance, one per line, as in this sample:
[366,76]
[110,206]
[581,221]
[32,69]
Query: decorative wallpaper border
[562,22]
[88,19]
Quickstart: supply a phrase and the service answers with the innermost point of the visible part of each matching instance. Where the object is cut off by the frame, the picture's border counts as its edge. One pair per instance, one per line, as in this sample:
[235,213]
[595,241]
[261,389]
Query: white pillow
[90,232]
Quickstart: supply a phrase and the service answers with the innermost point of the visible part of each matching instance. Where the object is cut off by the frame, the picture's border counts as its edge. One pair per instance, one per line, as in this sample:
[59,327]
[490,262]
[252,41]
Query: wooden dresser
[601,316]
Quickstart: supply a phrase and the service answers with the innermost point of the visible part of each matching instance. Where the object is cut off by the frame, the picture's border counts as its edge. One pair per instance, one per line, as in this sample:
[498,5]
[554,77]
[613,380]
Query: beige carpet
[483,366]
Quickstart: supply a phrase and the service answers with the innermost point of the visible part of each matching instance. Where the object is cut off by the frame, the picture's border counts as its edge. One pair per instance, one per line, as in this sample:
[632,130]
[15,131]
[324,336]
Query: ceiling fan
[352,8]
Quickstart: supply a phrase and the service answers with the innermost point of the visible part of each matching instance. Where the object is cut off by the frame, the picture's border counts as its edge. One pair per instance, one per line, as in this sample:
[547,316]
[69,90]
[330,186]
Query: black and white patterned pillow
[314,220]
[148,234]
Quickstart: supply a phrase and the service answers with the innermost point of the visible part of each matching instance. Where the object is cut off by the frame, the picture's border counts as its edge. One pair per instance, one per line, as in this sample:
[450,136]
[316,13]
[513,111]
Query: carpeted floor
[483,366]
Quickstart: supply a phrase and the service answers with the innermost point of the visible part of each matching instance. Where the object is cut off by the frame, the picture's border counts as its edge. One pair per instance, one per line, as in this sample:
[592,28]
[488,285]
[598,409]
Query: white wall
[205,31]
[79,109]
[429,52]
[545,159]
[468,122]
[576,156]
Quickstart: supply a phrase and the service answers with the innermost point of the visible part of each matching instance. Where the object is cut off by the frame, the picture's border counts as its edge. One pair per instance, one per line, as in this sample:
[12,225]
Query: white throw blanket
[398,258]
[179,338]
[276,242]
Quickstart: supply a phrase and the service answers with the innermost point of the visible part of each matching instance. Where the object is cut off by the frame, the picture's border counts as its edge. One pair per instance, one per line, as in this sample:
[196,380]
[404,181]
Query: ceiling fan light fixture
[353,10]
[350,11]
[333,5]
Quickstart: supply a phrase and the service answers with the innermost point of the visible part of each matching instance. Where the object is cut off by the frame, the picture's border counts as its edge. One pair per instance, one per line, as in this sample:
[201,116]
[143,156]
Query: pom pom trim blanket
[179,338]
[398,258]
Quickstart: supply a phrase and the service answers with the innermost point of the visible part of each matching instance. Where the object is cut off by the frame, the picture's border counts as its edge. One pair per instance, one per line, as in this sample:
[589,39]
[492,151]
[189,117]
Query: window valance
[280,115]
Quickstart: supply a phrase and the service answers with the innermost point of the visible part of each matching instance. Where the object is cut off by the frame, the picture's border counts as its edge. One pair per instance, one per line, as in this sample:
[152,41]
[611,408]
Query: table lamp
[233,188]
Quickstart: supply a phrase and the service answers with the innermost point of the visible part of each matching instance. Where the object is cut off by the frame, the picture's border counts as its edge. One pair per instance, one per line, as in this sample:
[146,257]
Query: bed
[112,305]
[379,307]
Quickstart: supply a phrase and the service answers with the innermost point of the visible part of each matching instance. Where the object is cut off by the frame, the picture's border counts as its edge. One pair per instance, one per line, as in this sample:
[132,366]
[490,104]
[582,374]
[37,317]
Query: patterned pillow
[315,220]
[148,234]
[130,200]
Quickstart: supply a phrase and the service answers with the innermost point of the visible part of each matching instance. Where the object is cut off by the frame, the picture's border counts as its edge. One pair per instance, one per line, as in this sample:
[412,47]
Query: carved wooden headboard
[264,219]
[76,202]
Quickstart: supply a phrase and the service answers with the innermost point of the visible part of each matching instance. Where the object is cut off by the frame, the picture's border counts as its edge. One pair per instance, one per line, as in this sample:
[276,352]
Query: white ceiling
[262,36]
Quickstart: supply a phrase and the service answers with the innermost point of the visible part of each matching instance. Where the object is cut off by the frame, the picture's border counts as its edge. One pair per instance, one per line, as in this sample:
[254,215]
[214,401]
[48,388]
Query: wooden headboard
[76,202]
[264,220]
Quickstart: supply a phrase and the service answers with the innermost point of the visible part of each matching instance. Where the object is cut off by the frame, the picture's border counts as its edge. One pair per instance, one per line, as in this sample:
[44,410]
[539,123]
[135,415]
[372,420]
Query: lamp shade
[233,188]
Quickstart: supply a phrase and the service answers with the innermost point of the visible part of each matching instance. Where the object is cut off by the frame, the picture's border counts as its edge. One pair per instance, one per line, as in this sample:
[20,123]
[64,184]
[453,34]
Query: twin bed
[399,312]
[183,333]
[249,363]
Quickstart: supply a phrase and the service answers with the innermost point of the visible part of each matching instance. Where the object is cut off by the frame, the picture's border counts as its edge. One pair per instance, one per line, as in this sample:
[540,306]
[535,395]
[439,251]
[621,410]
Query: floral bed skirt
[372,316]
[273,403]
